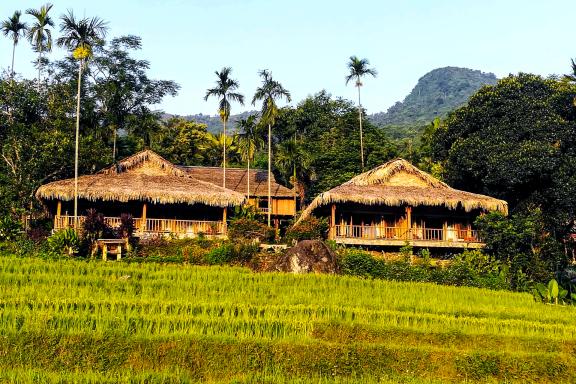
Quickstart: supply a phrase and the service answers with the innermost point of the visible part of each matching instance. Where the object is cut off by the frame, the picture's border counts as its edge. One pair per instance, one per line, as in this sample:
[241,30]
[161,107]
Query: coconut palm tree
[268,92]
[39,33]
[249,141]
[79,36]
[291,158]
[14,28]
[224,90]
[358,69]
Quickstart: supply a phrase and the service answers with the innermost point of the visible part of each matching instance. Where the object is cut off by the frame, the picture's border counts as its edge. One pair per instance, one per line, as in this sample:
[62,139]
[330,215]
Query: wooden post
[409,221]
[143,225]
[445,231]
[333,223]
[58,214]
[224,226]
[104,251]
[119,252]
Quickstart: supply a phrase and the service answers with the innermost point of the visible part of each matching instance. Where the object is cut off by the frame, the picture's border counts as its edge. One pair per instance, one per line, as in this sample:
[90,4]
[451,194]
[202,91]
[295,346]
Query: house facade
[397,203]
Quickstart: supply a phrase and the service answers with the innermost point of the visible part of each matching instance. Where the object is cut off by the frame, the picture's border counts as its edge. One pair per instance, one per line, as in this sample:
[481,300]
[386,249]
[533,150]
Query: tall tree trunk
[360,120]
[114,146]
[39,67]
[13,53]
[224,155]
[76,150]
[269,175]
[248,180]
[295,186]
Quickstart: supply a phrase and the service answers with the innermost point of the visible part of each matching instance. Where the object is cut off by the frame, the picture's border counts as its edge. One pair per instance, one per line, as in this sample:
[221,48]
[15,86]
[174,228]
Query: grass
[117,322]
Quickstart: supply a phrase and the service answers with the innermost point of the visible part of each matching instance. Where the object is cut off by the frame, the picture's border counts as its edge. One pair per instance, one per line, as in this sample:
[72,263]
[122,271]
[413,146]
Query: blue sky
[306,43]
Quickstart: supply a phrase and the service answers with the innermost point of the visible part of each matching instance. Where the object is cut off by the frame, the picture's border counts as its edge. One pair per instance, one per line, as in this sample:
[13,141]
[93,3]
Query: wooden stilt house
[396,202]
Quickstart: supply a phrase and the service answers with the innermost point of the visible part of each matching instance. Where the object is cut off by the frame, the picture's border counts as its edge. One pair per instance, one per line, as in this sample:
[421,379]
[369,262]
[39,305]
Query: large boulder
[305,257]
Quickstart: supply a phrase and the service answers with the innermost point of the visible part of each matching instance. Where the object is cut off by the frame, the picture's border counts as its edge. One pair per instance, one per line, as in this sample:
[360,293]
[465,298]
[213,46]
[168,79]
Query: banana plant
[552,293]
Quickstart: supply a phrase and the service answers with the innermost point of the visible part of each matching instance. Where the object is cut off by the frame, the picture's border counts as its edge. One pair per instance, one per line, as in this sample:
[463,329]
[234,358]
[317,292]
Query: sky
[307,43]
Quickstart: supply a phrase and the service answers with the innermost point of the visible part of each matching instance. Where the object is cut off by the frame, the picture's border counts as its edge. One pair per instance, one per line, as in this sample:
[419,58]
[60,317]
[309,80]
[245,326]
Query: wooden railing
[152,226]
[369,232]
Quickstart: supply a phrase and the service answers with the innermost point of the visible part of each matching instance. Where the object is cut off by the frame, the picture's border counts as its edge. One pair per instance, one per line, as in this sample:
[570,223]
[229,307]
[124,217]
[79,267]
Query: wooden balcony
[398,236]
[150,227]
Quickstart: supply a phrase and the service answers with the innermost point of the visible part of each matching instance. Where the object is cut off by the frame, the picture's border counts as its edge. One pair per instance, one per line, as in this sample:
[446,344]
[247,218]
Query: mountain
[436,93]
[213,123]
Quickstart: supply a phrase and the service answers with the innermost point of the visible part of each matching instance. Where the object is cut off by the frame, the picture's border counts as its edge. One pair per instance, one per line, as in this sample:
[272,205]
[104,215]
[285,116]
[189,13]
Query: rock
[305,257]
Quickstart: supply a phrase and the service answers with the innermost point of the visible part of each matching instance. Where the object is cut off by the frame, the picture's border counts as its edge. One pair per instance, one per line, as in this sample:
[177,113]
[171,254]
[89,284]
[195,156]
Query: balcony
[398,236]
[150,227]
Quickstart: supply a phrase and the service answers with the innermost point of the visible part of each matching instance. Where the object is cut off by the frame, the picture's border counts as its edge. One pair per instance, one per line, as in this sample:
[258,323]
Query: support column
[332,232]
[58,214]
[409,221]
[143,225]
[224,226]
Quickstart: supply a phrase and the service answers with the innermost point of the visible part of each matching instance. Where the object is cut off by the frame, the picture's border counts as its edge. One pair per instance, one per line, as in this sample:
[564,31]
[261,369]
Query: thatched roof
[397,183]
[145,176]
[236,180]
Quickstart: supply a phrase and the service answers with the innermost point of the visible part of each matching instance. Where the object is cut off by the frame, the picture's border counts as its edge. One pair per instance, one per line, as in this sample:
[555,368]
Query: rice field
[95,322]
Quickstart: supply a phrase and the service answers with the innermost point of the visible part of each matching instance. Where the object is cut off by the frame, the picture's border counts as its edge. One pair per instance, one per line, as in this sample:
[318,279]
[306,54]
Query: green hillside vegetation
[212,122]
[438,92]
[118,322]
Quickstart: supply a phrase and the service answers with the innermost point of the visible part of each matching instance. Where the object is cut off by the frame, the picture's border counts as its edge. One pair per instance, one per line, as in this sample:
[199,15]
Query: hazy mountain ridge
[213,122]
[436,93]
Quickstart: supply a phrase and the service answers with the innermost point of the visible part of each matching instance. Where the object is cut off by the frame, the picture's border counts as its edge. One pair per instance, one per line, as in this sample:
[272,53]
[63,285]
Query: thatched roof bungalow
[397,202]
[144,185]
[283,199]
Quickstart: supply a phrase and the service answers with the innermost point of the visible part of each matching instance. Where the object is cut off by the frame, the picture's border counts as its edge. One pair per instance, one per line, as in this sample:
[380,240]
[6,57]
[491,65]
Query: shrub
[310,228]
[221,255]
[10,229]
[126,228]
[250,229]
[65,241]
[94,226]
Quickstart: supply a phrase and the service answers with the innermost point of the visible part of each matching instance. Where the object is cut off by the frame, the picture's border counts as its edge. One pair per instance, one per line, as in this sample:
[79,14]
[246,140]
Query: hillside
[213,122]
[436,93]
[93,322]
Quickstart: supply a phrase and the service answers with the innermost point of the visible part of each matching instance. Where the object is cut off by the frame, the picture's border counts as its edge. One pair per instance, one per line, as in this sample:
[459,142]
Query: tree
[516,141]
[249,141]
[39,33]
[291,158]
[122,86]
[358,69]
[14,28]
[224,90]
[79,36]
[268,92]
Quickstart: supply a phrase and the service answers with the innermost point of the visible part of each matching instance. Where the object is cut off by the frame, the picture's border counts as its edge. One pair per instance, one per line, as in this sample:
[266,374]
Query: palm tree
[14,28]
[358,69]
[292,159]
[79,36]
[249,141]
[225,87]
[39,33]
[268,92]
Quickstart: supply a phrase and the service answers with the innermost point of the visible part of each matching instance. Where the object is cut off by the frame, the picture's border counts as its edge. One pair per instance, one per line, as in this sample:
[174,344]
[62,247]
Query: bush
[10,229]
[65,241]
[250,229]
[310,228]
[227,253]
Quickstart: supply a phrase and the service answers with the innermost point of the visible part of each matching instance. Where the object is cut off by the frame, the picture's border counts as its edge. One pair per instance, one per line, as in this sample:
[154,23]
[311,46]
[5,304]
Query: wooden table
[112,245]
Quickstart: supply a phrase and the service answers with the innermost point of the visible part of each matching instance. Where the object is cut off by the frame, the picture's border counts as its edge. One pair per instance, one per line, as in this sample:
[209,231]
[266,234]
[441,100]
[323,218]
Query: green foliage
[228,252]
[250,229]
[436,93]
[471,268]
[10,229]
[311,228]
[64,242]
[552,293]
[523,244]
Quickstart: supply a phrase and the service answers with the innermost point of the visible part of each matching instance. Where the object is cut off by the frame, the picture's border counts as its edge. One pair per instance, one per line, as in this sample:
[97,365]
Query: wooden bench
[114,246]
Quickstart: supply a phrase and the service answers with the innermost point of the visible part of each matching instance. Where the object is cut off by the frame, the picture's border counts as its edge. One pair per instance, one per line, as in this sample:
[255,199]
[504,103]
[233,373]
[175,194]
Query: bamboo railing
[370,232]
[154,226]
